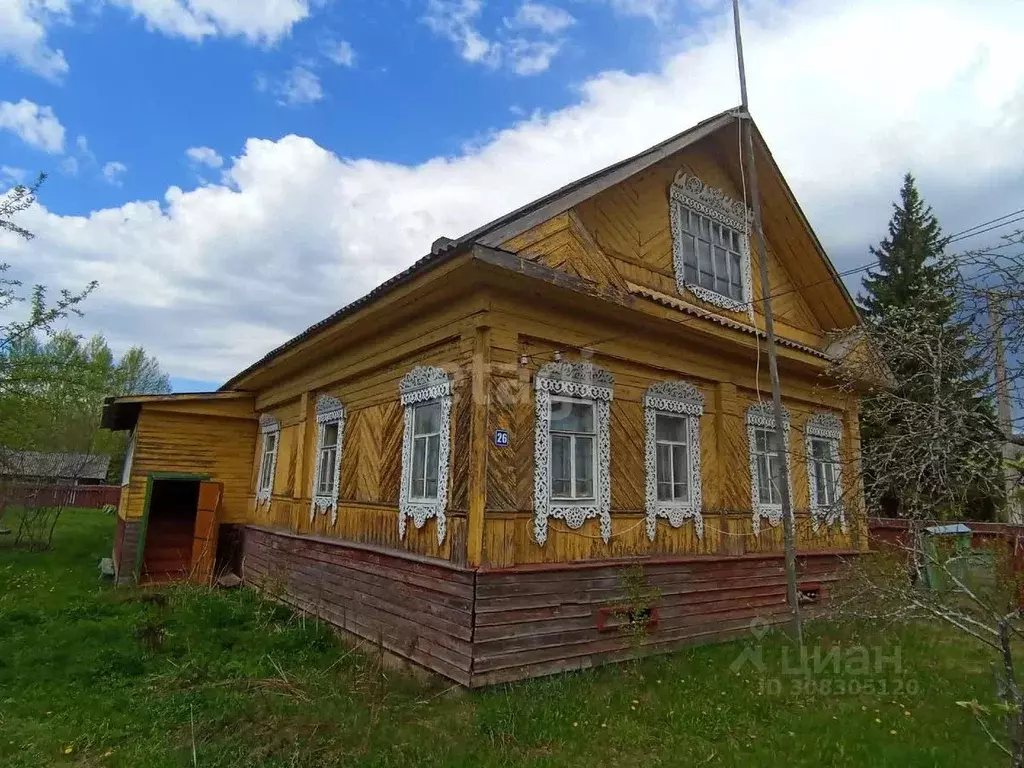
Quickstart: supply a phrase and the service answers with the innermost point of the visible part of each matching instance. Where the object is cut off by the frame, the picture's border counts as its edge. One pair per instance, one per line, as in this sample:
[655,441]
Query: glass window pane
[664,464]
[427,418]
[561,467]
[705,228]
[690,273]
[433,449]
[760,441]
[670,428]
[776,478]
[831,491]
[270,443]
[707,275]
[664,491]
[681,473]
[764,493]
[572,417]
[820,450]
[419,455]
[584,467]
[330,433]
[689,250]
[721,264]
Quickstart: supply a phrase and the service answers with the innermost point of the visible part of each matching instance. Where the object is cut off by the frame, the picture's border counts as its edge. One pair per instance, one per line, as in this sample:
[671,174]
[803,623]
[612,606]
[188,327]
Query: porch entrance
[179,540]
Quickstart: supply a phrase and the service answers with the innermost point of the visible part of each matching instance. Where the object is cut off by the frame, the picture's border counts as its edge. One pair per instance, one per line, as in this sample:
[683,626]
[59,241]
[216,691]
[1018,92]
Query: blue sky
[233,171]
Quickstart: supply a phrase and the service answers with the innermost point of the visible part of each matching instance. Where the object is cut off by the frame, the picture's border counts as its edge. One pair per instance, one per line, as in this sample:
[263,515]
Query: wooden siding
[371,460]
[492,626]
[419,610]
[199,443]
[533,622]
[624,234]
[725,469]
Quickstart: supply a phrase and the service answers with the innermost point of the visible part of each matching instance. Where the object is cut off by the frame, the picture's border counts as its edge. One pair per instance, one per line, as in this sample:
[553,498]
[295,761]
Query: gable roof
[56,466]
[503,228]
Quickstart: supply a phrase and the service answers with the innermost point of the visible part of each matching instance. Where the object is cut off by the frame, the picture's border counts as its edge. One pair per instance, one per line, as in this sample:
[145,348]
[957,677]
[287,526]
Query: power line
[985,223]
[989,229]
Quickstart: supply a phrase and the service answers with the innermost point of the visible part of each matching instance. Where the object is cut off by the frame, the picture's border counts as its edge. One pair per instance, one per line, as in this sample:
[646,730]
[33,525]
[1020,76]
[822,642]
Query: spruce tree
[938,398]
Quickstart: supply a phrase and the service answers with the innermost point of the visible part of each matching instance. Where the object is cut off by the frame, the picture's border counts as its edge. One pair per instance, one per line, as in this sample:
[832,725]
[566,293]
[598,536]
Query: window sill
[716,298]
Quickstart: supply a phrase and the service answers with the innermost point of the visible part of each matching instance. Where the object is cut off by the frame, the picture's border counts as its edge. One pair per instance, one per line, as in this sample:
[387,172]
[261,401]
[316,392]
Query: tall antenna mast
[788,525]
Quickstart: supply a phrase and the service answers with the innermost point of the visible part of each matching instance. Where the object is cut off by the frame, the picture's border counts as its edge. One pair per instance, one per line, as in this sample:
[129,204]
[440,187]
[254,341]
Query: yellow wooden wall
[214,438]
[371,458]
[729,388]
[623,235]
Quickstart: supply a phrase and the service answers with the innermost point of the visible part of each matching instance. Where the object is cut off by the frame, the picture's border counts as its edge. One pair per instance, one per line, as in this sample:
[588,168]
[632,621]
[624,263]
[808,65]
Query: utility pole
[788,524]
[1005,414]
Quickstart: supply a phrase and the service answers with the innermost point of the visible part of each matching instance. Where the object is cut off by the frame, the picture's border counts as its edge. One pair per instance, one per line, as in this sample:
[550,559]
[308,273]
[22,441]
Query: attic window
[710,245]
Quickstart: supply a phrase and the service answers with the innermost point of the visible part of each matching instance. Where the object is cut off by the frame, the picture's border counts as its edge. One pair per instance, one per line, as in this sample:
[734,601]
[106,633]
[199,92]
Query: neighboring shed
[61,468]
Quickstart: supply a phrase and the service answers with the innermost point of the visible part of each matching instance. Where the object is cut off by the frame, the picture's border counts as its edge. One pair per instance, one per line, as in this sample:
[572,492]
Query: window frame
[581,382]
[425,498]
[760,416]
[827,428]
[575,497]
[424,385]
[269,427]
[691,195]
[329,410]
[682,400]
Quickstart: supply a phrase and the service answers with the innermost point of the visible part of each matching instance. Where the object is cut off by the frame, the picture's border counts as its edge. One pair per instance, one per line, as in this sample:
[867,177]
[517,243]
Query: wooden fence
[31,494]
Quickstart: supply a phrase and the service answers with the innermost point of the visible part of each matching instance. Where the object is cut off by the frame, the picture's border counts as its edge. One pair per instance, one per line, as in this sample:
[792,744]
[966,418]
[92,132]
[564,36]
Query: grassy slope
[95,676]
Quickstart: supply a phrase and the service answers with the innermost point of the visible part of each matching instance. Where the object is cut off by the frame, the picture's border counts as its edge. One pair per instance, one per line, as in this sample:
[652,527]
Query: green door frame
[150,478]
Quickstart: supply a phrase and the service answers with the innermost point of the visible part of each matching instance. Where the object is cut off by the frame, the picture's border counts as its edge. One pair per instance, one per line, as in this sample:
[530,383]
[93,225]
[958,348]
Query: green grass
[94,676]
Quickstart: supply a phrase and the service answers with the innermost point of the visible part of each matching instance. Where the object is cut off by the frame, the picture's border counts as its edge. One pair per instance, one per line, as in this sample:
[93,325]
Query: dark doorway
[170,530]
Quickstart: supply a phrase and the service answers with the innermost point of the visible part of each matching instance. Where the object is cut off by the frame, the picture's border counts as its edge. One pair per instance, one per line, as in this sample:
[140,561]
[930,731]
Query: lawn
[95,676]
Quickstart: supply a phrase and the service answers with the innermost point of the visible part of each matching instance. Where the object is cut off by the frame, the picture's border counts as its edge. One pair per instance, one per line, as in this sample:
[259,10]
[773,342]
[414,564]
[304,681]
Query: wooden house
[465,465]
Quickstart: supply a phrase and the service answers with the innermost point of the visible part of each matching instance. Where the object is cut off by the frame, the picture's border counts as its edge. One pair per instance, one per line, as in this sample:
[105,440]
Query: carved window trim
[421,385]
[828,427]
[268,426]
[690,193]
[762,416]
[674,398]
[329,410]
[586,382]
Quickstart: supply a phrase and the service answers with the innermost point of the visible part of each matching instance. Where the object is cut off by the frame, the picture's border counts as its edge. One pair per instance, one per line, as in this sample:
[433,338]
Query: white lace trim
[328,409]
[690,192]
[676,397]
[825,426]
[761,415]
[585,381]
[268,425]
[420,385]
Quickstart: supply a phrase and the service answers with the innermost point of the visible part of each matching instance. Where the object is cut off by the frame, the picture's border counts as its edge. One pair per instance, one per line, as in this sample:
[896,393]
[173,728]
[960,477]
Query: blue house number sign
[501,437]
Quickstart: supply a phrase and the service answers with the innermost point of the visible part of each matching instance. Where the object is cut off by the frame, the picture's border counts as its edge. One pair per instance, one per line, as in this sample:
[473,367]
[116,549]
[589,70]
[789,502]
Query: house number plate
[501,437]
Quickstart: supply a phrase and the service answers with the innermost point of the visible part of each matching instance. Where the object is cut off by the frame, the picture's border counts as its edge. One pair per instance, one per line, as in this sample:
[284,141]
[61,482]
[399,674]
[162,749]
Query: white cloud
[547,18]
[204,156]
[340,52]
[457,21]
[113,172]
[531,57]
[11,175]
[69,166]
[220,274]
[259,21]
[35,125]
[23,28]
[25,24]
[299,86]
